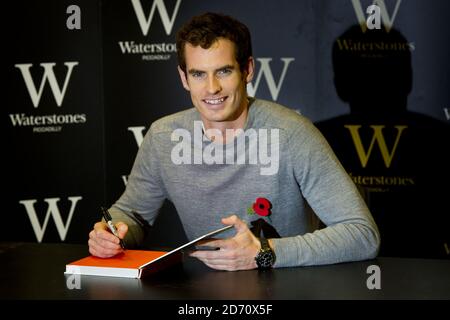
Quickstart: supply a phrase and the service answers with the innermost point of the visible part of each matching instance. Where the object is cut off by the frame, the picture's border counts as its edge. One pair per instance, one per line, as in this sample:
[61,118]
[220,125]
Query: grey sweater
[307,183]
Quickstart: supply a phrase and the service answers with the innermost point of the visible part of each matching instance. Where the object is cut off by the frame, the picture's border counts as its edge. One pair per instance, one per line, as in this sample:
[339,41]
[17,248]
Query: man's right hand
[102,243]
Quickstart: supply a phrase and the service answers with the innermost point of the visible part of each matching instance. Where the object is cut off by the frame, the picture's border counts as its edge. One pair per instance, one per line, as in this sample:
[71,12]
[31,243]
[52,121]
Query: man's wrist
[270,242]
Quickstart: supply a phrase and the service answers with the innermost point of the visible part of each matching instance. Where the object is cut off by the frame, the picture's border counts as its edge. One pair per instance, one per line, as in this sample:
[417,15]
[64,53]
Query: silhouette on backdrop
[398,158]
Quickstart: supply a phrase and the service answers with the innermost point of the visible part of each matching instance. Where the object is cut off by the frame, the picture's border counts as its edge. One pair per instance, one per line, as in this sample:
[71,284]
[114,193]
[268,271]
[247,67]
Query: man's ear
[250,70]
[183,79]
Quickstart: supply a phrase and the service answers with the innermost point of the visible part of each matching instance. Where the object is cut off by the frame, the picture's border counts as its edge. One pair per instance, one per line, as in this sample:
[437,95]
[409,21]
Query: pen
[111,226]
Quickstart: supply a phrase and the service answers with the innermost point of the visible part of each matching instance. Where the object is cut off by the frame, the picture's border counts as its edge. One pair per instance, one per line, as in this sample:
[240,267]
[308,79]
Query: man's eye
[196,74]
[224,72]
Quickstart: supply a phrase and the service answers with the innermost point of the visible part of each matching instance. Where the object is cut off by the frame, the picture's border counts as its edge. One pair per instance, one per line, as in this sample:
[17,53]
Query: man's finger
[238,224]
[100,251]
[222,254]
[106,236]
[100,226]
[219,266]
[223,244]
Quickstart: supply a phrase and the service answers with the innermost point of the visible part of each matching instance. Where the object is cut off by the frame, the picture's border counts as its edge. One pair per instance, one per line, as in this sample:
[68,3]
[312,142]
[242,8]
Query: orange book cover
[129,264]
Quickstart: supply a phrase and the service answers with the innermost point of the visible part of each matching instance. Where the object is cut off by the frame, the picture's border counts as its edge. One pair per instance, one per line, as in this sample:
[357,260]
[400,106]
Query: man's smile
[215,101]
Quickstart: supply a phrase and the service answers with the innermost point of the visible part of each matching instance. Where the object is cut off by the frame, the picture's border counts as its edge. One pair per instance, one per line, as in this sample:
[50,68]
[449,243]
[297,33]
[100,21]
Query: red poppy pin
[261,207]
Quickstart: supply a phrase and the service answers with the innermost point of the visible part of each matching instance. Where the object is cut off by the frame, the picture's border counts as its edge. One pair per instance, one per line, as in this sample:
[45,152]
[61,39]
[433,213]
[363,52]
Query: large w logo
[53,211]
[377,137]
[49,75]
[387,20]
[138,133]
[157,4]
[268,75]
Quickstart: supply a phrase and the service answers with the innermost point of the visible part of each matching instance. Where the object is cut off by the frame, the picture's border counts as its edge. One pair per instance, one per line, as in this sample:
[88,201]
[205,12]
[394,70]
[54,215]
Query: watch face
[265,259]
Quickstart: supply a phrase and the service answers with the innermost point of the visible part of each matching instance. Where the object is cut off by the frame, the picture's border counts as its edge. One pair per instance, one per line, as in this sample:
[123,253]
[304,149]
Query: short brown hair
[205,29]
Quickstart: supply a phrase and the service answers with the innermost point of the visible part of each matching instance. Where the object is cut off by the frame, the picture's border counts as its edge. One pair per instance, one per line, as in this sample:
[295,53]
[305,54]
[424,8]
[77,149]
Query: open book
[133,263]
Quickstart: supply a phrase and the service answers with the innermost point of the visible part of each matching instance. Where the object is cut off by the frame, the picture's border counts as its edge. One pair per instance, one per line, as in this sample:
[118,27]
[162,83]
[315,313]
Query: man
[221,179]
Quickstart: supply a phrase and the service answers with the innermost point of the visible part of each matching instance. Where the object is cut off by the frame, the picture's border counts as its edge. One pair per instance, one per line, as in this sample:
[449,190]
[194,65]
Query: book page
[190,244]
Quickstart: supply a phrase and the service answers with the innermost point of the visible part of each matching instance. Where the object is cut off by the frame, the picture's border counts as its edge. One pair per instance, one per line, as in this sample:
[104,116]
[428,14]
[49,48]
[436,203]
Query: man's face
[215,81]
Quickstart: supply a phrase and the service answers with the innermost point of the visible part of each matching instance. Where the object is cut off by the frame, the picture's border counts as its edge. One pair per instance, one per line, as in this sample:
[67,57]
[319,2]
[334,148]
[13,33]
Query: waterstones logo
[377,138]
[49,75]
[152,51]
[378,183]
[374,47]
[382,183]
[52,122]
[143,48]
[52,211]
[377,9]
[47,123]
[377,14]
[148,51]
[266,71]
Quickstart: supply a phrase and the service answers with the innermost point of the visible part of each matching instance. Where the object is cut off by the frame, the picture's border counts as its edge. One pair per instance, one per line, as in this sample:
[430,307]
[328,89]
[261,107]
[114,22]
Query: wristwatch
[265,257]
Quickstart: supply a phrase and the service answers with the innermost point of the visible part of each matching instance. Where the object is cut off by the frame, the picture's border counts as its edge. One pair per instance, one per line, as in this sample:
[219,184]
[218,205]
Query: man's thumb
[239,225]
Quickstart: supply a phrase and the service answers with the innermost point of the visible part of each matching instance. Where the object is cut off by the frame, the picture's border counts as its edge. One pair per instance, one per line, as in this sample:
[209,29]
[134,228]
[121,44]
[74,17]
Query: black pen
[111,226]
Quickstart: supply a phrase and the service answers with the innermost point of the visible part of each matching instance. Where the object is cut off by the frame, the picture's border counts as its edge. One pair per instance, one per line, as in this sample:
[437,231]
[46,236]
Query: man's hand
[237,253]
[102,243]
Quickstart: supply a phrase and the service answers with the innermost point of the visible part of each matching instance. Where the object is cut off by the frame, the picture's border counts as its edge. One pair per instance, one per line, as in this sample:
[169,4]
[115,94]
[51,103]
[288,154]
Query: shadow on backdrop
[398,158]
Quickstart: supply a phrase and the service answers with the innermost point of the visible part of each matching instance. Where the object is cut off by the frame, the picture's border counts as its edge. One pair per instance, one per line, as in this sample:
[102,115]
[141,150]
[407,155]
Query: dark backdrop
[78,102]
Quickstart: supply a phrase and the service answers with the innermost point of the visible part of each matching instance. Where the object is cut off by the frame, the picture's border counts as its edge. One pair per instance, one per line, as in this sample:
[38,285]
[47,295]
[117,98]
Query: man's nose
[214,85]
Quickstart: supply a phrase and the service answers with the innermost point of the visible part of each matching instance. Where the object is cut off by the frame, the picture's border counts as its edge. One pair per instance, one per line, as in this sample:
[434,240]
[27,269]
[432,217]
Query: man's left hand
[236,253]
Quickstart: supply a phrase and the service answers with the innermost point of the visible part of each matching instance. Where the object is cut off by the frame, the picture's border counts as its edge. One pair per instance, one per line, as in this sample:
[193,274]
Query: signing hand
[102,243]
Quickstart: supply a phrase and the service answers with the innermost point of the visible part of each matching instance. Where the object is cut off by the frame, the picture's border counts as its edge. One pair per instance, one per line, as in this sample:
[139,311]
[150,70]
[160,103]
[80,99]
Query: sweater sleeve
[144,193]
[351,233]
